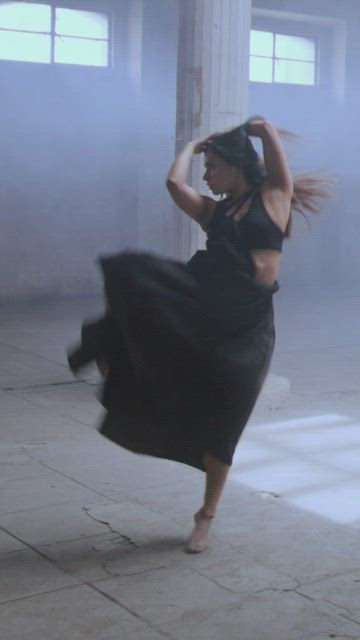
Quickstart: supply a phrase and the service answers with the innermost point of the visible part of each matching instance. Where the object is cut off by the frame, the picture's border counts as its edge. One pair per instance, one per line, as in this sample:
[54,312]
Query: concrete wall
[84,153]
[157,126]
[330,130]
[72,154]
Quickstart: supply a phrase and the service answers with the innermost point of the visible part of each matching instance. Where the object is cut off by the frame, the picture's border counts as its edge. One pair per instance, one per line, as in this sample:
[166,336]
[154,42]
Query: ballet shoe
[91,347]
[196,543]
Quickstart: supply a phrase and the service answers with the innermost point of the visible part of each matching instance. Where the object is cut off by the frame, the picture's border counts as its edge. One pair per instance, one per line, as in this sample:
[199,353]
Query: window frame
[332,46]
[280,30]
[54,5]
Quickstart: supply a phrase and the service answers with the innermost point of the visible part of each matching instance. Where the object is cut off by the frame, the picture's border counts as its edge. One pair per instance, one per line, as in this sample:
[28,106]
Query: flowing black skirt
[187,346]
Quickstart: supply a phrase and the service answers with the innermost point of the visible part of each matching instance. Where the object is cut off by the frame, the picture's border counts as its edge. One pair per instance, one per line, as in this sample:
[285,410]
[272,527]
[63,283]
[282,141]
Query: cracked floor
[91,536]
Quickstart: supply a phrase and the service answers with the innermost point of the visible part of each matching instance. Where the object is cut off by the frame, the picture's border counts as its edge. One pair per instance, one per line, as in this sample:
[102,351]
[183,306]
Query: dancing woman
[187,346]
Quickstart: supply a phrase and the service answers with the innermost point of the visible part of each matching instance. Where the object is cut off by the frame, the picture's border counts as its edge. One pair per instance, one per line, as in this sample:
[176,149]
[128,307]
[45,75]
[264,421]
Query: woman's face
[220,176]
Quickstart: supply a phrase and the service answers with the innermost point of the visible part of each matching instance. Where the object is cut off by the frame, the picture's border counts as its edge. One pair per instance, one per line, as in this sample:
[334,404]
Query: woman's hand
[278,174]
[199,145]
[200,208]
[255,126]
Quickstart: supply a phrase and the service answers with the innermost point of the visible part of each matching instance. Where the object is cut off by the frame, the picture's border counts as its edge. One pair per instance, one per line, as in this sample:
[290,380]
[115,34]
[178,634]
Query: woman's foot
[103,366]
[198,540]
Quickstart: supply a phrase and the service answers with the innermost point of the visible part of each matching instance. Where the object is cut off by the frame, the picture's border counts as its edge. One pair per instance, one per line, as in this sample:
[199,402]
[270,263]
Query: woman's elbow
[172,185]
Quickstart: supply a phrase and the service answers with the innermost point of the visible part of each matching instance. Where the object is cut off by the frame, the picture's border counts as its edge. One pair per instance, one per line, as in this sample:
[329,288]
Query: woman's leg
[216,474]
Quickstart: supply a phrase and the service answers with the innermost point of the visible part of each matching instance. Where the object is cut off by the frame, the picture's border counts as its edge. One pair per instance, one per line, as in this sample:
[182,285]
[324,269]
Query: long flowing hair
[236,148]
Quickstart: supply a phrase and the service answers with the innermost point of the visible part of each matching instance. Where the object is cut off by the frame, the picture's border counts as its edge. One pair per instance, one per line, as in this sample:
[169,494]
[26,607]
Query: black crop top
[231,241]
[238,238]
[258,229]
[255,229]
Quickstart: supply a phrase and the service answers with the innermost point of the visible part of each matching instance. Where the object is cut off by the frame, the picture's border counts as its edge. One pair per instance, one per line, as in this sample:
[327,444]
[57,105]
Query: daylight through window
[275,57]
[33,32]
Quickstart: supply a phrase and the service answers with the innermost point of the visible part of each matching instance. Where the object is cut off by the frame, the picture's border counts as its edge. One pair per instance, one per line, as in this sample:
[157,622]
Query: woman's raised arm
[278,174]
[197,206]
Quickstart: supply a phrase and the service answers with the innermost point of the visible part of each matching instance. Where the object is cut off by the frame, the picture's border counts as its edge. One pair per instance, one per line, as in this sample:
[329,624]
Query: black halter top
[238,238]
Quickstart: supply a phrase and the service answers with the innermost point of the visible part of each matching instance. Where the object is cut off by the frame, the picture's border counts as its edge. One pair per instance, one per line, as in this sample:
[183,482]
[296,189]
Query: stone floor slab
[342,591]
[75,400]
[77,613]
[93,513]
[24,423]
[99,464]
[161,595]
[25,573]
[111,555]
[53,524]
[8,543]
[21,470]
[42,491]
[18,367]
[271,614]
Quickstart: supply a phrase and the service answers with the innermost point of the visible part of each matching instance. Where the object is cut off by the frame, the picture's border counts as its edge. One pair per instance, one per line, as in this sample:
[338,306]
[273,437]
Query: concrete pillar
[213,72]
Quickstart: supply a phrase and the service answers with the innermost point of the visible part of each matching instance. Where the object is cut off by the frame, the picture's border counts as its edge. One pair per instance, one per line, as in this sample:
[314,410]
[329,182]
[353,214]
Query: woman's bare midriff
[267,263]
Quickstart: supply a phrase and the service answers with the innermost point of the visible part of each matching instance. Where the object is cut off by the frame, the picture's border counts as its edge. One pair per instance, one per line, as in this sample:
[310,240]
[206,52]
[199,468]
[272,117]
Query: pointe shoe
[198,542]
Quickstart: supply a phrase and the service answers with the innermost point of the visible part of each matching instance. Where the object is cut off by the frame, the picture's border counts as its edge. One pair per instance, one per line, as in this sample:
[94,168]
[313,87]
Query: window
[276,57]
[34,32]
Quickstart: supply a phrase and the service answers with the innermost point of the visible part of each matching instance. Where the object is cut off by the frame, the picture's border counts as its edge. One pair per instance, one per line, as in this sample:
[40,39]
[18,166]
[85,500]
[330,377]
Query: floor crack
[321,578]
[214,581]
[86,510]
[131,573]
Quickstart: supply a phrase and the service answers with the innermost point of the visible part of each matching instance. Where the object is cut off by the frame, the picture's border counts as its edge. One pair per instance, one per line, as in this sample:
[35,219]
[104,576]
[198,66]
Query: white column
[213,71]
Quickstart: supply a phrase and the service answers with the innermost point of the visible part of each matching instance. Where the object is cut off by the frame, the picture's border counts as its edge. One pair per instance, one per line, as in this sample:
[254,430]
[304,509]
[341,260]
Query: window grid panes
[282,58]
[33,32]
